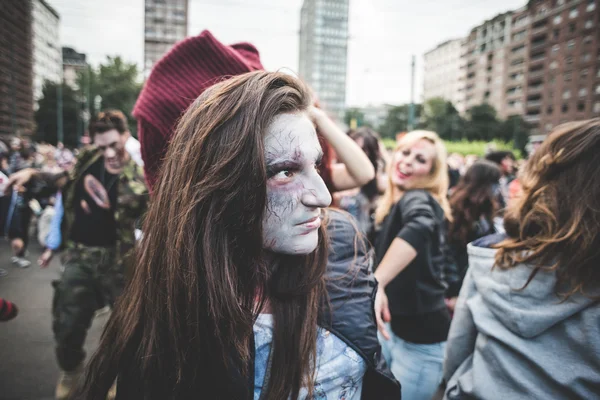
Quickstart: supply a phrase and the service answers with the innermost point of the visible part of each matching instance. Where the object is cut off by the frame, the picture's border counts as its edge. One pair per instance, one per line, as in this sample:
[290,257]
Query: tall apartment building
[72,63]
[442,72]
[165,23]
[16,68]
[485,56]
[323,51]
[563,82]
[517,62]
[47,54]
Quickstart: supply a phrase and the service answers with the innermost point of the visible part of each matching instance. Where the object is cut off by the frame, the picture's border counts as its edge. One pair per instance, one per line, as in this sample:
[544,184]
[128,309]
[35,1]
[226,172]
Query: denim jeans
[418,367]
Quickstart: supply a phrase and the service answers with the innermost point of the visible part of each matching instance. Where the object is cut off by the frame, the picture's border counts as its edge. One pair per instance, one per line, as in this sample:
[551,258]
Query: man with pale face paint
[295,191]
[104,196]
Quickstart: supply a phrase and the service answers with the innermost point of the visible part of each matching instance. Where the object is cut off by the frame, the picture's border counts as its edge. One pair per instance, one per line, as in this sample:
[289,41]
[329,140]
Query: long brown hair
[183,326]
[555,224]
[472,199]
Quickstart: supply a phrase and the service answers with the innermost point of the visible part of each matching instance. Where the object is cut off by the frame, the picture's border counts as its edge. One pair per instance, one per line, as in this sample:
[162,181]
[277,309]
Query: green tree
[482,123]
[46,115]
[515,129]
[441,117]
[354,114]
[397,120]
[116,82]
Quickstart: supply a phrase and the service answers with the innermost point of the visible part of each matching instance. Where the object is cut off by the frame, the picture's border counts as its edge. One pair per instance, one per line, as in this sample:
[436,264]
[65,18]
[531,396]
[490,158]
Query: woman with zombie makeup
[234,295]
[410,299]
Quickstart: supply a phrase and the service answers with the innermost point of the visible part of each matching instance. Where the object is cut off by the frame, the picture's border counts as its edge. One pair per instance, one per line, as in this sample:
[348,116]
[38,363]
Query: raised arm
[354,169]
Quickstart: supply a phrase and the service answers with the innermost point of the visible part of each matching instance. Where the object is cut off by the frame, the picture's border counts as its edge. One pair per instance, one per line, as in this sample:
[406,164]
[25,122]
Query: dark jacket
[349,315]
[351,287]
[417,219]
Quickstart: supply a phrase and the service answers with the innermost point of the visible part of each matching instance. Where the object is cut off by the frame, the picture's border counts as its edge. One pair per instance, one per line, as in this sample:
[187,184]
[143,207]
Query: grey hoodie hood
[509,342]
[529,311]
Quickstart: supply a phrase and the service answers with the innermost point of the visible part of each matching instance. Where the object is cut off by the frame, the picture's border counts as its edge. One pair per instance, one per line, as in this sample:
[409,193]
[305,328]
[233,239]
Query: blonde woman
[411,314]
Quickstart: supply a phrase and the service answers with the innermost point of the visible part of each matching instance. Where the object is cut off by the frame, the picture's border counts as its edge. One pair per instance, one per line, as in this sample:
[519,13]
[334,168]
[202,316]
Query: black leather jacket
[349,315]
[351,287]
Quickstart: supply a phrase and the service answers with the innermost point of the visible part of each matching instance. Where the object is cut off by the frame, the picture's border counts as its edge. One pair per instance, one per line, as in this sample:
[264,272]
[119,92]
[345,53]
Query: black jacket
[351,287]
[349,314]
[418,219]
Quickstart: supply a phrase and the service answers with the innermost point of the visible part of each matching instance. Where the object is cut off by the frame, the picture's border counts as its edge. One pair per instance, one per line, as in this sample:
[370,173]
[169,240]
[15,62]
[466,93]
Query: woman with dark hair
[527,321]
[233,295]
[474,204]
[361,202]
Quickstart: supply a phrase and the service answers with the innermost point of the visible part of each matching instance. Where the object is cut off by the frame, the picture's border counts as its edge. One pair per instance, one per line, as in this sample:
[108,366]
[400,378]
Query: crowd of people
[264,253]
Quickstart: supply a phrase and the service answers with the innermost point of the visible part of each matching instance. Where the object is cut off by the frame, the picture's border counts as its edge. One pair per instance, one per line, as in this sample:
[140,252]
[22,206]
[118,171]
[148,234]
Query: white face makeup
[295,191]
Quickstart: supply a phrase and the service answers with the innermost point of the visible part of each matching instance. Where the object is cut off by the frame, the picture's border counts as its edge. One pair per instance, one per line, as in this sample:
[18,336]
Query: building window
[571,44]
[584,73]
[555,33]
[586,57]
[565,108]
[573,13]
[597,89]
[560,3]
[553,65]
[567,76]
[569,60]
[557,20]
[587,39]
[572,28]
[555,48]
[597,107]
[566,94]
[582,92]
[591,5]
[589,24]
[549,110]
[580,106]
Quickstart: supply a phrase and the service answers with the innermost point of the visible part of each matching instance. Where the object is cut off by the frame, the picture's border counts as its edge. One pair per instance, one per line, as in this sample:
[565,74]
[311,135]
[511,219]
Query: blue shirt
[340,369]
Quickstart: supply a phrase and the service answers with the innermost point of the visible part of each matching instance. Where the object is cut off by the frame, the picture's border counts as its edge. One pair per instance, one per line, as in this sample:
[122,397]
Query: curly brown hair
[555,224]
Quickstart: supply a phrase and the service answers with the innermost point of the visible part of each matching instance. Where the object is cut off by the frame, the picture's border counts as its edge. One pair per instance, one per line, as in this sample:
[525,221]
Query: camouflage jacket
[132,201]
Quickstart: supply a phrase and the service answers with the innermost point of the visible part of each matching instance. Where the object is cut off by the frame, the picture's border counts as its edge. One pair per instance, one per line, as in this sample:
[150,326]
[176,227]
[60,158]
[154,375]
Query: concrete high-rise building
[323,51]
[165,23]
[563,82]
[442,72]
[517,61]
[16,68]
[47,54]
[485,55]
[73,63]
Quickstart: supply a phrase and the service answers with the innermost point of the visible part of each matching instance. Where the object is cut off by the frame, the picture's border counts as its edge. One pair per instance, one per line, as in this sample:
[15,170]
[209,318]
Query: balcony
[538,45]
[534,104]
[535,89]
[532,118]
[537,59]
[536,74]
[539,29]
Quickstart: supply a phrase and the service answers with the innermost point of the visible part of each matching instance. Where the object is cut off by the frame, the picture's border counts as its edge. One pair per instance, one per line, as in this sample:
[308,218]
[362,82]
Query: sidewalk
[28,369]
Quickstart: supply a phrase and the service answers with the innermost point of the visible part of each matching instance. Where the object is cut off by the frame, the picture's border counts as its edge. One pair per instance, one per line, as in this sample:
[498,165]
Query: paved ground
[28,369]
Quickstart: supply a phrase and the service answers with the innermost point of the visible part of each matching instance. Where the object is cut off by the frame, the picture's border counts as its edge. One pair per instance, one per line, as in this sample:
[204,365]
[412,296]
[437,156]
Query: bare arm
[355,169]
[396,258]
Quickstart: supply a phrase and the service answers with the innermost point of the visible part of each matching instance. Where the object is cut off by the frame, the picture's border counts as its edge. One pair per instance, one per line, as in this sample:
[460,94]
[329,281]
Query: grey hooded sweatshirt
[506,343]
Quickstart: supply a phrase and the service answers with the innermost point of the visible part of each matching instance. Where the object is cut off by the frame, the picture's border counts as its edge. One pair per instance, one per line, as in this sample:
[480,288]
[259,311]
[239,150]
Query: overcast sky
[383,34]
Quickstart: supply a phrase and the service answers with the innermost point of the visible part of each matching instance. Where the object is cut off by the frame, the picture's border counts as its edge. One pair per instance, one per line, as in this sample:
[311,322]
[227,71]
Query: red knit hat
[191,66]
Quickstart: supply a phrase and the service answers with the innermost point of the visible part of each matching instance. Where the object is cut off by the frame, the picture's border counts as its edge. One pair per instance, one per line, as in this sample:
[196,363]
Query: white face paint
[295,191]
